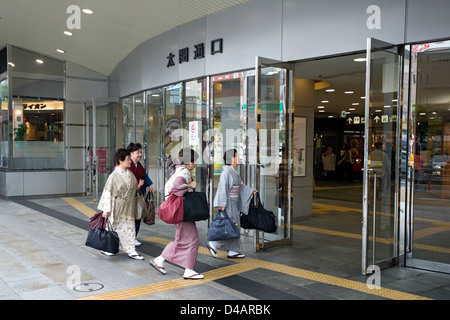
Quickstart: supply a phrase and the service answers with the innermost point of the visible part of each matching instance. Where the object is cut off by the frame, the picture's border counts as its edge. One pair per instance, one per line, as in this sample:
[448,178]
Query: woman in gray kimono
[232,197]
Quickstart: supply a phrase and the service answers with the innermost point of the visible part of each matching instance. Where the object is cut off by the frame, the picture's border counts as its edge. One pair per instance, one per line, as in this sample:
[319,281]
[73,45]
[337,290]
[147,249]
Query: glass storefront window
[139,109]
[196,124]
[4,137]
[128,120]
[38,134]
[430,157]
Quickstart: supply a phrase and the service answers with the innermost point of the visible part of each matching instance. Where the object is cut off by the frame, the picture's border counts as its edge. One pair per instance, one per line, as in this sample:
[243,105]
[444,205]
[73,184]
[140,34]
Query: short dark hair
[121,155]
[187,155]
[228,155]
[132,147]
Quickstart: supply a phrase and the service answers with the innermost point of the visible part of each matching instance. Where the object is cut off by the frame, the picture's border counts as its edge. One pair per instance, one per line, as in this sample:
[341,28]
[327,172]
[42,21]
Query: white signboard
[194,128]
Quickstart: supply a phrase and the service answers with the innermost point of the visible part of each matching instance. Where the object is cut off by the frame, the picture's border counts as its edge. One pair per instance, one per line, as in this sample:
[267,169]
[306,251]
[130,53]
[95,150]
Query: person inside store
[184,249]
[118,203]
[345,165]
[231,196]
[329,162]
[138,169]
[381,164]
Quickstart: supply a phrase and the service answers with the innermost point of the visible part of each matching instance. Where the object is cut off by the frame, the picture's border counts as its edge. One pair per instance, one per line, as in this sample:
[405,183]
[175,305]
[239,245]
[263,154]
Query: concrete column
[303,186]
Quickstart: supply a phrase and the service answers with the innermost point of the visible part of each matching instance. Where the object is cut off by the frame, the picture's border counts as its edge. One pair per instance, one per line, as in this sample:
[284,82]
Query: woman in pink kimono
[183,250]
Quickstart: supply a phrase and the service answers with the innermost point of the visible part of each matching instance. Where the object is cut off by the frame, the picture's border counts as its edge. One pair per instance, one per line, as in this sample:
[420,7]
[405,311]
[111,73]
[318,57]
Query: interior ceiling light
[60,50]
[348,92]
[359,59]
[68,33]
[324,101]
[320,107]
[11,64]
[329,90]
[88,11]
[40,61]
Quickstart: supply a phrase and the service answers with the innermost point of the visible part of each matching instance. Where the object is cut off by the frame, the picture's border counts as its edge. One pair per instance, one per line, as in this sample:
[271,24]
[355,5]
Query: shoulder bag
[171,210]
[195,206]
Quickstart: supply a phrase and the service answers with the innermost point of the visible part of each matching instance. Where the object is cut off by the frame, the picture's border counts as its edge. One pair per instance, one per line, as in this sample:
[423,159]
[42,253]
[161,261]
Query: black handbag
[259,218]
[102,239]
[195,206]
[223,228]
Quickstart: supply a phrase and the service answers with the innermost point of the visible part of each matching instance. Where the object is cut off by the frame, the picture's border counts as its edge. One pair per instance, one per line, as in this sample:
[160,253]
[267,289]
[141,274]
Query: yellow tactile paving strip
[81,207]
[244,265]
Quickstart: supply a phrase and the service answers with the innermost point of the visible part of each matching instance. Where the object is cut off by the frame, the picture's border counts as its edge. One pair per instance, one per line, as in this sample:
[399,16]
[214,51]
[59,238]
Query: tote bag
[102,239]
[223,228]
[195,206]
[259,218]
[141,206]
[171,210]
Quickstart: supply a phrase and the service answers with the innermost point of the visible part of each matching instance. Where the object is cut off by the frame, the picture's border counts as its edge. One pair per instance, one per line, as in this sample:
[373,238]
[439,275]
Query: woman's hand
[255,192]
[106,214]
[222,208]
[140,184]
[192,184]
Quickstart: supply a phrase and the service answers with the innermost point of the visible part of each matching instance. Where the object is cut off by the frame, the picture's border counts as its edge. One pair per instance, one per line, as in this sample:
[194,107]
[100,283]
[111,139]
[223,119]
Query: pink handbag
[96,221]
[171,210]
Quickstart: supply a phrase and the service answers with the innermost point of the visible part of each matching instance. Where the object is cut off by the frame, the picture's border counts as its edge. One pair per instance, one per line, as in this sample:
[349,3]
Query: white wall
[287,30]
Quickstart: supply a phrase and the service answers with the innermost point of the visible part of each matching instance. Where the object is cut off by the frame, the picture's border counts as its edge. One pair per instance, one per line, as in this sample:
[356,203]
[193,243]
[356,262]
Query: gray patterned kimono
[235,197]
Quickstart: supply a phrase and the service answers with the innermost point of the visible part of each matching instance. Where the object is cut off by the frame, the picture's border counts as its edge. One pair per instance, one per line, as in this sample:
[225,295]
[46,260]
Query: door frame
[91,176]
[260,241]
[408,167]
[372,45]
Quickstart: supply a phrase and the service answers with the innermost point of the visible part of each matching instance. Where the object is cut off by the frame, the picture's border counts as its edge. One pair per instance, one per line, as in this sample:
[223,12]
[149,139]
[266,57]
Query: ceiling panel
[106,36]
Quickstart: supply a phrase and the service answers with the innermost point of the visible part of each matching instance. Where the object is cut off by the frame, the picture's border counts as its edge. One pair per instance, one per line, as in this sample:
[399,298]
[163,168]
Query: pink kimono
[183,250]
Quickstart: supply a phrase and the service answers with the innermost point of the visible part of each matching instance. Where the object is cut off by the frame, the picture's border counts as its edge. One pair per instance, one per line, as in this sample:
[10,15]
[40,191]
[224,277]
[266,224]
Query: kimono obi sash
[234,192]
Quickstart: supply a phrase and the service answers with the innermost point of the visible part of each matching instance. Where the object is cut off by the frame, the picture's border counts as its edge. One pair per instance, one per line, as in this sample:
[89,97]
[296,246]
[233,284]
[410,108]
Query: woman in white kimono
[184,249]
[118,203]
[232,197]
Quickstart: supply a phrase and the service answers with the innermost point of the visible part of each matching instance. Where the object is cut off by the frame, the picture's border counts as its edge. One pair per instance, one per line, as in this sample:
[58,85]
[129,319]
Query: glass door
[153,144]
[379,229]
[185,119]
[171,133]
[270,127]
[428,155]
[100,144]
[228,124]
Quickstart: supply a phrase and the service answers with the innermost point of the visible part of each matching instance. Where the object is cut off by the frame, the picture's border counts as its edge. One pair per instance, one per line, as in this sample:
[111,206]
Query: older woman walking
[183,250]
[118,203]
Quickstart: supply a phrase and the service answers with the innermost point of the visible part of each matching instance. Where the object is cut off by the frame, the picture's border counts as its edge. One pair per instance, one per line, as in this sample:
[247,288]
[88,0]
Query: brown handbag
[150,217]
